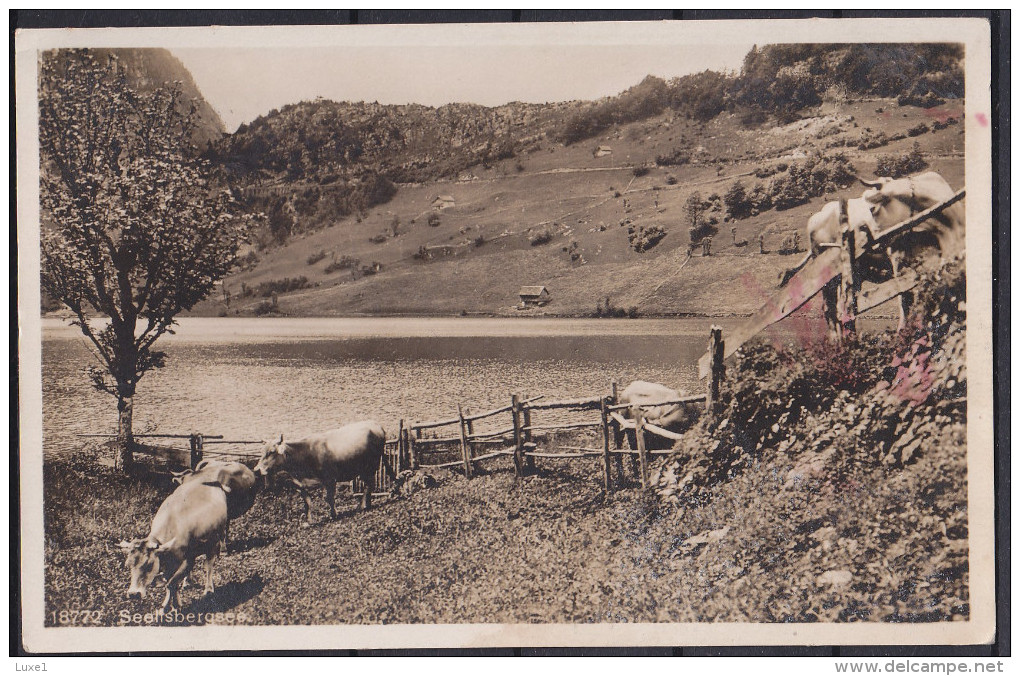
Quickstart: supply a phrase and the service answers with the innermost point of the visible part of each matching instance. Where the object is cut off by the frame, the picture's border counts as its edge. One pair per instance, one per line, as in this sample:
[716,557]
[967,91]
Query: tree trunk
[125,435]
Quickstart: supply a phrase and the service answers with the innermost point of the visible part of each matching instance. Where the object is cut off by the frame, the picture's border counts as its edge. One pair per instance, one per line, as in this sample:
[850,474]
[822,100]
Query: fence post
[639,432]
[717,369]
[515,412]
[465,449]
[400,448]
[617,435]
[196,441]
[849,284]
[605,444]
[410,447]
[530,461]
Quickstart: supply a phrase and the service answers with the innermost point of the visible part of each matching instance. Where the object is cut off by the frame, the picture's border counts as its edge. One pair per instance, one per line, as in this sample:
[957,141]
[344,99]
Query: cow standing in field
[192,521]
[238,482]
[350,452]
[673,417]
[886,203]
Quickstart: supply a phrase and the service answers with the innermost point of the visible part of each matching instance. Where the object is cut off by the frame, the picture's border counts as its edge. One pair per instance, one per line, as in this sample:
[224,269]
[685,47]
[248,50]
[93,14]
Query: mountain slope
[473,254]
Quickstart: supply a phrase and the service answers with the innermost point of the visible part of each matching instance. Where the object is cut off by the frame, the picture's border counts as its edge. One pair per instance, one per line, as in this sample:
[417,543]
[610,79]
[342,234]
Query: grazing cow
[192,521]
[238,482]
[350,452]
[673,417]
[887,202]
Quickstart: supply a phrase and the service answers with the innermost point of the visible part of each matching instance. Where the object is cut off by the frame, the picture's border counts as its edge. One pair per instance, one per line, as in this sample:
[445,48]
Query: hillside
[472,253]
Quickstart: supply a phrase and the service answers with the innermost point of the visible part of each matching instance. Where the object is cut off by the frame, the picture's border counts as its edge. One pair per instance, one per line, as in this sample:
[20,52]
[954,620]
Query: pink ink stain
[942,114]
[982,119]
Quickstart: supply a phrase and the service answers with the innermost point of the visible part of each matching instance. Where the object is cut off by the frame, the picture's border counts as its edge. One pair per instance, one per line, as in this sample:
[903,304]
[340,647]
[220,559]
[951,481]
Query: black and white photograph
[646,333]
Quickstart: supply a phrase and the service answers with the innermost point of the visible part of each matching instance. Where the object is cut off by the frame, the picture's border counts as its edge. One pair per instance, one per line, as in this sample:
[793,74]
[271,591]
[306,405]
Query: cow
[350,452]
[191,521]
[673,417]
[238,481]
[886,202]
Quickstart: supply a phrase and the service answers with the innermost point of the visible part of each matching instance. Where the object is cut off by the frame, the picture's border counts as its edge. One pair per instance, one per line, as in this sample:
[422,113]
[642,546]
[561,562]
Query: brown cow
[673,417]
[238,481]
[192,521]
[887,202]
[350,452]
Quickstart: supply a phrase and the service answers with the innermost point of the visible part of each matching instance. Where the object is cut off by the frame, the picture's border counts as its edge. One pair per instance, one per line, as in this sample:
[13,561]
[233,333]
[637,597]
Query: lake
[253,378]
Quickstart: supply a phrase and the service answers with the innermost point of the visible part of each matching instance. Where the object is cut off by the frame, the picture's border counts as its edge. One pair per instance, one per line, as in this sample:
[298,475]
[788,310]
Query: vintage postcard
[641,334]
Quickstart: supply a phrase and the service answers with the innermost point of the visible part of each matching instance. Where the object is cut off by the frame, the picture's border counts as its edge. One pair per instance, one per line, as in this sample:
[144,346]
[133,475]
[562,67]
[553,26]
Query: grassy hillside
[473,256]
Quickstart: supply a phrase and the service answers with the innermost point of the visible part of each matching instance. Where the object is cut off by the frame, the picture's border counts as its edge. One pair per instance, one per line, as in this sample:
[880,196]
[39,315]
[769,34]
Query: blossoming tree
[134,227]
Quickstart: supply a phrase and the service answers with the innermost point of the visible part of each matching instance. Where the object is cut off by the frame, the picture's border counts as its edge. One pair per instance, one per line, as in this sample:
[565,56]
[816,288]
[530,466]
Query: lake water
[255,378]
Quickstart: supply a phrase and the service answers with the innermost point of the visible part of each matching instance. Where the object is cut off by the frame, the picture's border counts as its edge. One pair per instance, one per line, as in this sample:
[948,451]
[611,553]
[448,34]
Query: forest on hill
[313,162]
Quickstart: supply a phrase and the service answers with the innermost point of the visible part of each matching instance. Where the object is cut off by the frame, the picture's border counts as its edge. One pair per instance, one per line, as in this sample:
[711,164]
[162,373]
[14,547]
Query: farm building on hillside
[534,296]
[602,151]
[443,202]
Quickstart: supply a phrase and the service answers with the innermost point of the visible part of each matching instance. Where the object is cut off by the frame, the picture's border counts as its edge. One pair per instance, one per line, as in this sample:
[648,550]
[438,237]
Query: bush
[902,165]
[264,308]
[671,180]
[676,158]
[610,311]
[342,263]
[644,238]
[378,239]
[929,100]
[274,286]
[812,178]
[641,171]
[315,257]
[701,231]
[918,130]
[434,220]
[737,201]
[540,238]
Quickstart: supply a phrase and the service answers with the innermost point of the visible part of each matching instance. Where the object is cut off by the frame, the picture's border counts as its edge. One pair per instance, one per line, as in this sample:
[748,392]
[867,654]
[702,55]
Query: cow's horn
[124,544]
[166,545]
[870,184]
[281,438]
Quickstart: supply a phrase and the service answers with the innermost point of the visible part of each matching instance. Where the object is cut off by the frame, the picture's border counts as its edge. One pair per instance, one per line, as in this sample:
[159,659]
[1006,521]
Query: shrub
[342,263]
[918,130]
[641,171]
[671,180]
[540,238]
[434,220]
[737,201]
[264,308]
[701,231]
[812,178]
[378,239]
[928,100]
[902,165]
[610,311]
[275,286]
[676,158]
[316,257]
[644,238]
[480,240]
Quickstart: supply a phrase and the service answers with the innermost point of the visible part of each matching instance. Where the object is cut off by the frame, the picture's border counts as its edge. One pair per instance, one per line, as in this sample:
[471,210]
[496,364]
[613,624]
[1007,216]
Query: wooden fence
[511,431]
